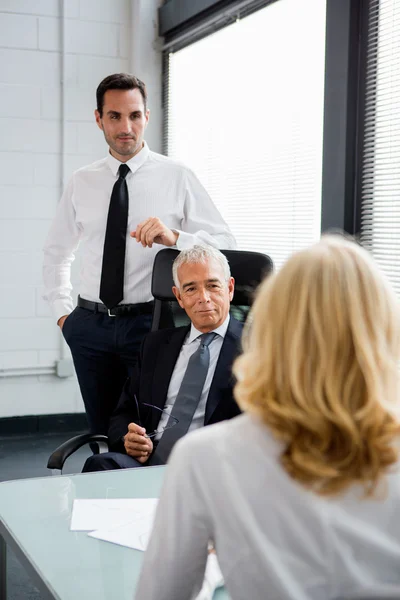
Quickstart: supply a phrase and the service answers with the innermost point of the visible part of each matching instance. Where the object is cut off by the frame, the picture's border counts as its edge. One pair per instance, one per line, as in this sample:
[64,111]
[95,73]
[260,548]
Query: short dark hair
[119,81]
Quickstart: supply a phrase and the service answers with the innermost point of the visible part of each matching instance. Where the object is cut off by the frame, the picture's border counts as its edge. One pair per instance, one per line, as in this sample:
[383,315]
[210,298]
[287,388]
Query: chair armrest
[60,455]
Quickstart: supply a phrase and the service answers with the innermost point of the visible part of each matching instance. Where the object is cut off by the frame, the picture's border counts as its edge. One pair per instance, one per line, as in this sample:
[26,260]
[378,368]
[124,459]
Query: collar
[134,163]
[221,330]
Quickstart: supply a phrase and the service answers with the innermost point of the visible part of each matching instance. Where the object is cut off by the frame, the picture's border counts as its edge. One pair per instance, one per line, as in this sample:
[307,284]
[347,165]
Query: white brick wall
[39,395]
[97,43]
[18,31]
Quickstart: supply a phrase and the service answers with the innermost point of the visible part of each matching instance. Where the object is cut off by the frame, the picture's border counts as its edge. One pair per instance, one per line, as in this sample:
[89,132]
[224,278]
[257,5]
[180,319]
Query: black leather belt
[122,310]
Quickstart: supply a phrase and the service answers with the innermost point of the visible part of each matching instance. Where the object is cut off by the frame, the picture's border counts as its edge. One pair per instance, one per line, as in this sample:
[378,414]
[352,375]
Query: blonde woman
[301,494]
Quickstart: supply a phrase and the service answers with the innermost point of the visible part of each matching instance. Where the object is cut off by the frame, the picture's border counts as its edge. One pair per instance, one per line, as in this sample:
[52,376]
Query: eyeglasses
[170,423]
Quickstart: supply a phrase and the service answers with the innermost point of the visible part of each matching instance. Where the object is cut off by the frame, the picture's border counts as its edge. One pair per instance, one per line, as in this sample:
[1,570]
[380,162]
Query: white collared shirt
[189,347]
[274,539]
[158,187]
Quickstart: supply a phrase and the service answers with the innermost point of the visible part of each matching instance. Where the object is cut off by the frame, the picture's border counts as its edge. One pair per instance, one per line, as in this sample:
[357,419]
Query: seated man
[183,378]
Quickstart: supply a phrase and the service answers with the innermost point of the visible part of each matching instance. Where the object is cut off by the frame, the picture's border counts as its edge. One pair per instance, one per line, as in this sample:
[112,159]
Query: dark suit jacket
[157,358]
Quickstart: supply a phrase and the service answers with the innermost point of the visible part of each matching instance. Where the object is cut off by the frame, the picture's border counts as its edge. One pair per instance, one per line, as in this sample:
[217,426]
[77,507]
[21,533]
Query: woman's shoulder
[224,430]
[239,436]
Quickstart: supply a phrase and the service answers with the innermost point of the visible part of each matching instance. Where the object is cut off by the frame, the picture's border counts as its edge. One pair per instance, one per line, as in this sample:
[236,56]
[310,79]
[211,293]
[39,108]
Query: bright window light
[380,212]
[245,113]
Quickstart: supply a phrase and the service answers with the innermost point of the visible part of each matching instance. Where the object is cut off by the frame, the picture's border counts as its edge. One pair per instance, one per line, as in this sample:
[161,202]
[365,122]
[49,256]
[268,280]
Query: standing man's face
[123,122]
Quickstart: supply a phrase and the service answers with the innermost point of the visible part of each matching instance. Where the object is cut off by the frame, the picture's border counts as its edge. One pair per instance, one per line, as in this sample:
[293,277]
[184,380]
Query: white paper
[129,522]
[134,534]
[213,579]
[104,514]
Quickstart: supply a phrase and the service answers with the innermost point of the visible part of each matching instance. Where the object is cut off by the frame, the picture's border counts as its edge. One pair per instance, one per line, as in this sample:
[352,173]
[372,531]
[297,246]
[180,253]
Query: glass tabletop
[35,516]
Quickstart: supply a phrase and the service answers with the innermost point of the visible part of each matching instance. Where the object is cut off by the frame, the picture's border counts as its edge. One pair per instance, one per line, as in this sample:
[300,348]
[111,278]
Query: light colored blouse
[274,539]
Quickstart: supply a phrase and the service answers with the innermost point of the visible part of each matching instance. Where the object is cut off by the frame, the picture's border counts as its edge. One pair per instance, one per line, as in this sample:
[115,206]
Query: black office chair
[248,270]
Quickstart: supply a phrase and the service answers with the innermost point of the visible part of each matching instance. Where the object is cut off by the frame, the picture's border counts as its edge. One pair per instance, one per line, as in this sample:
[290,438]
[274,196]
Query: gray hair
[200,254]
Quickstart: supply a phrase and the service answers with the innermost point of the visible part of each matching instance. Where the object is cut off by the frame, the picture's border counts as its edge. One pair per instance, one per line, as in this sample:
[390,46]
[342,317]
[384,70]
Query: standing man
[122,208]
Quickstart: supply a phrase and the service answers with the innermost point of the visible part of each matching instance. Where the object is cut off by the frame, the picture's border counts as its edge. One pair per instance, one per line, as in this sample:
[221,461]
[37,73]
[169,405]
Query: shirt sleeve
[61,243]
[175,560]
[202,222]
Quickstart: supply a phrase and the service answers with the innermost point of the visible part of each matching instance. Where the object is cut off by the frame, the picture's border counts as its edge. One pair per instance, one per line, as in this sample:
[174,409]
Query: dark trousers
[108,461]
[104,350]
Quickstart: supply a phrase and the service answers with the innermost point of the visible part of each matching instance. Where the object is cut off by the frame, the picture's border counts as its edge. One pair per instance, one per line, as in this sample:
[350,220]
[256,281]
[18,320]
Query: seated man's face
[204,294]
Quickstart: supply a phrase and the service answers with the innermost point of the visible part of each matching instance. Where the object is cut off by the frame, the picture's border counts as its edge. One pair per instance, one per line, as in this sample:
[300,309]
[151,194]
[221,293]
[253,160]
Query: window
[380,194]
[245,112]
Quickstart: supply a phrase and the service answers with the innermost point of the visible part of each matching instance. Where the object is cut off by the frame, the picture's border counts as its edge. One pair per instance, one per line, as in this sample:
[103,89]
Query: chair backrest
[247,268]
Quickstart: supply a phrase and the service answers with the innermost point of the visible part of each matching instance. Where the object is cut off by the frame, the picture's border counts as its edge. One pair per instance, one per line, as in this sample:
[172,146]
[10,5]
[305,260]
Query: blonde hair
[320,366]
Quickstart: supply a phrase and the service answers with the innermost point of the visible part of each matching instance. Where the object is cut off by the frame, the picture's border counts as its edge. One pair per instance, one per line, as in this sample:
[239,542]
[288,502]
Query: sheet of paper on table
[128,522]
[108,513]
[133,534]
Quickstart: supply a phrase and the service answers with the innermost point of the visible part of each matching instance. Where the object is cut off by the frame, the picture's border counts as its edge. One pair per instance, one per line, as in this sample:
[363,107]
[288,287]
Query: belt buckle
[109,313]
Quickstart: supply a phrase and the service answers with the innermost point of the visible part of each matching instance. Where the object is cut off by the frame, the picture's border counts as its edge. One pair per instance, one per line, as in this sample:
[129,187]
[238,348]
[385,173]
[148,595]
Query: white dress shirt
[158,187]
[189,347]
[274,539]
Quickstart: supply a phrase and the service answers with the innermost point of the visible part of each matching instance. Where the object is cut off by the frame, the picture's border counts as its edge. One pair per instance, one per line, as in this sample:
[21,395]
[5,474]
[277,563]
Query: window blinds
[245,112]
[380,192]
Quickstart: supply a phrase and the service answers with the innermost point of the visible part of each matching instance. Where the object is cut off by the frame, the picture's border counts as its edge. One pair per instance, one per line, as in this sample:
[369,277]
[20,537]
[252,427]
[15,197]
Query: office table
[35,517]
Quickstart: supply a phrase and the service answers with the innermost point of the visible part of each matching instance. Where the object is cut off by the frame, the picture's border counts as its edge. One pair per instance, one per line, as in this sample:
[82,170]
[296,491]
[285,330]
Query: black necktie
[187,399]
[112,271]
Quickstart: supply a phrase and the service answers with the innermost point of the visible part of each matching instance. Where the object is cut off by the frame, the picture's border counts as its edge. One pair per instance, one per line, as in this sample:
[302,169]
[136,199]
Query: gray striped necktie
[187,399]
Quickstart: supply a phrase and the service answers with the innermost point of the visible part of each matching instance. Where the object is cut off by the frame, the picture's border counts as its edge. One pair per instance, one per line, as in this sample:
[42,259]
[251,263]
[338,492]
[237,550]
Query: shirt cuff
[61,308]
[185,240]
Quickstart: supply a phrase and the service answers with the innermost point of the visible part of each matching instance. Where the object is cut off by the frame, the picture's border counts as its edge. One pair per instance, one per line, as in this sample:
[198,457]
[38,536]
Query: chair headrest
[247,268]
